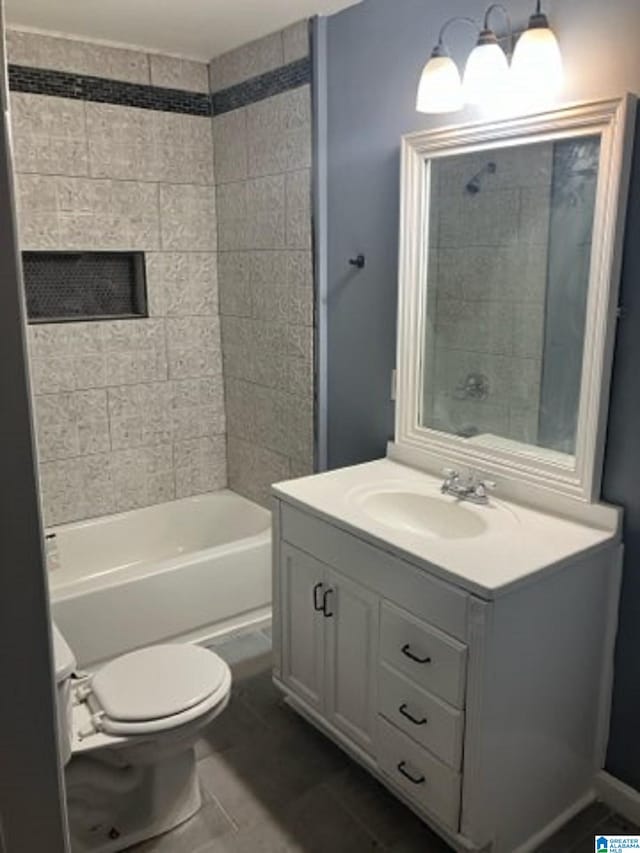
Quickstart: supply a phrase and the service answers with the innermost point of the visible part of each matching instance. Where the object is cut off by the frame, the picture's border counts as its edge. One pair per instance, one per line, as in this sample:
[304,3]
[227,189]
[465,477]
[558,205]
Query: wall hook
[358,262]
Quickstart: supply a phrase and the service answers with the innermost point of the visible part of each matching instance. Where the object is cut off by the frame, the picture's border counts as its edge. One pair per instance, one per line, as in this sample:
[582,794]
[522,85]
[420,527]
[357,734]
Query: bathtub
[187,570]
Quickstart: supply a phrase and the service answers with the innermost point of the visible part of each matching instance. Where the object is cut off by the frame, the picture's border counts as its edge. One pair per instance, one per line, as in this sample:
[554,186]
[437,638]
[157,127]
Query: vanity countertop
[487,550]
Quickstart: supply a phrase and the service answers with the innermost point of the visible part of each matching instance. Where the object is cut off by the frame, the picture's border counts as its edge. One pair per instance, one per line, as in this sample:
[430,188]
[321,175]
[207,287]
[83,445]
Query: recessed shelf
[66,286]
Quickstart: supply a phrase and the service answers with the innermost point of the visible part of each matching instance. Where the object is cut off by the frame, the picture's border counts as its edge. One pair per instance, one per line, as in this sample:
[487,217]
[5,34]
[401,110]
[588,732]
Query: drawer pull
[406,651]
[415,780]
[405,713]
[325,604]
[317,588]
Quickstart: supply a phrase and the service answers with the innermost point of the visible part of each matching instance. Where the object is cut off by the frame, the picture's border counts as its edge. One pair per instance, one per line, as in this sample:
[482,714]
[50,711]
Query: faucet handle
[484,487]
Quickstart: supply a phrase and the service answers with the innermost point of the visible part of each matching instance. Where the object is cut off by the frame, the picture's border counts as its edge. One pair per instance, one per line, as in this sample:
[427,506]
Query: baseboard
[535,842]
[618,796]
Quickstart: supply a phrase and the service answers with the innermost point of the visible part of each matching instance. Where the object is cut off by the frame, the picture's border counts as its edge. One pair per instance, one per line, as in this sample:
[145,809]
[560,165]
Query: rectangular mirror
[509,269]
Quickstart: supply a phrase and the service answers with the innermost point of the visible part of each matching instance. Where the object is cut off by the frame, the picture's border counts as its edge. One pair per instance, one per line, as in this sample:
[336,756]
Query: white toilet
[127,735]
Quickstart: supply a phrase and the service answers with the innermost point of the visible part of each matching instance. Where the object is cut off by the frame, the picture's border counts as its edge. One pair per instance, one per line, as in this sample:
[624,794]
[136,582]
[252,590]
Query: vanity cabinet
[483,714]
[329,649]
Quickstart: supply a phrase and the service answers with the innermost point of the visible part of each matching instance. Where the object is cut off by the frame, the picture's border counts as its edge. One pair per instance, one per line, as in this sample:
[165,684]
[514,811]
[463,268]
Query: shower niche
[72,286]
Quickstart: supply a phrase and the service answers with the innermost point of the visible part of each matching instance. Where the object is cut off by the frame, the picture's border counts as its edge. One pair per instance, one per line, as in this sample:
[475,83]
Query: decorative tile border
[82,87]
[271,83]
[38,81]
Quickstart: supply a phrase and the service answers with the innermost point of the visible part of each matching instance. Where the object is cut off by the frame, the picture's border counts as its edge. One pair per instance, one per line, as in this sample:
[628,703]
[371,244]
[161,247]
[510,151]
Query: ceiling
[200,29]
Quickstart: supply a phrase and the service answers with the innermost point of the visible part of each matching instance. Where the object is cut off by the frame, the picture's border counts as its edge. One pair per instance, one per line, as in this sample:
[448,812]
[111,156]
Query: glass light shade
[537,68]
[440,89]
[486,76]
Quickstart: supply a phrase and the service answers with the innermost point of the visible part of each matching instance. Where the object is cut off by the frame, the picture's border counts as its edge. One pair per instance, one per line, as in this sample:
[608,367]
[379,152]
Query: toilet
[127,735]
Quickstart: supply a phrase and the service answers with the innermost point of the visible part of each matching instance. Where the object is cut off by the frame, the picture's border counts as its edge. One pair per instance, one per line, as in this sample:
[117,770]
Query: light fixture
[440,88]
[536,72]
[487,80]
[537,62]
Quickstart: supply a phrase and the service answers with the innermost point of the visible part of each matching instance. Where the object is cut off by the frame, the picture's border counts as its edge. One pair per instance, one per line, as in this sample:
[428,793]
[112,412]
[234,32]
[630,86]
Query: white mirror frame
[527,470]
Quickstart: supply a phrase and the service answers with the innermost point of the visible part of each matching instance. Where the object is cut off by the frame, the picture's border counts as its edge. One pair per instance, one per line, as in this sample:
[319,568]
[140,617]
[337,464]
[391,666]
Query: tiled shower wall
[263,182]
[129,412]
[489,262]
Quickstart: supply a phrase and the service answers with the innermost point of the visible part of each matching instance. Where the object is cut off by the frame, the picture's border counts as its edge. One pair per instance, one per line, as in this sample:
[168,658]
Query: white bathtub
[191,569]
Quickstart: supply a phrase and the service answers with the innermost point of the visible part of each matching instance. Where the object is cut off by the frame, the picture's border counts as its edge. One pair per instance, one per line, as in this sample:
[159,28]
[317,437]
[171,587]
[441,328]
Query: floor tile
[193,836]
[274,784]
[371,804]
[237,726]
[258,780]
[321,825]
[246,653]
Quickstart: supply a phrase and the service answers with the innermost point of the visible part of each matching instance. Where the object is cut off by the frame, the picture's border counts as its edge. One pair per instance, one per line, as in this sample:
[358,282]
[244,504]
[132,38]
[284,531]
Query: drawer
[428,720]
[432,659]
[391,577]
[432,785]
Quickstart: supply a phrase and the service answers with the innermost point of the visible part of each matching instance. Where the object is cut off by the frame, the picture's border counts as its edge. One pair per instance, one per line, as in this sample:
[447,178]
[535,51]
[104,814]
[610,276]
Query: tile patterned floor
[272,784]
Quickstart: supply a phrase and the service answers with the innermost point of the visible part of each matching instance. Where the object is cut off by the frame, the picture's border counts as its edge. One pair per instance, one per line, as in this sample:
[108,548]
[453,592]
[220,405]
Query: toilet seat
[156,689]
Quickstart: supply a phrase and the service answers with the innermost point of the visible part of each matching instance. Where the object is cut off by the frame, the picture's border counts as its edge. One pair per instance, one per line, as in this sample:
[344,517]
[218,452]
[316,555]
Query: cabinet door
[352,651]
[302,585]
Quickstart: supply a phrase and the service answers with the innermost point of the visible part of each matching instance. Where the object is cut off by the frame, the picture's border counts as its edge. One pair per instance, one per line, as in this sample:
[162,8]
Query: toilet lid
[157,682]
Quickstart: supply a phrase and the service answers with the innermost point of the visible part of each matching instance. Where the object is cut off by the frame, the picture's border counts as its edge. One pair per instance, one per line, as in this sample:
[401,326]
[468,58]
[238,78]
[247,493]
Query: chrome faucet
[466,486]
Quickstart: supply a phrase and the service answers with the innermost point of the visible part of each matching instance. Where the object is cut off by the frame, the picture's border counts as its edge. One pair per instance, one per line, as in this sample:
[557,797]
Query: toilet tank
[64,665]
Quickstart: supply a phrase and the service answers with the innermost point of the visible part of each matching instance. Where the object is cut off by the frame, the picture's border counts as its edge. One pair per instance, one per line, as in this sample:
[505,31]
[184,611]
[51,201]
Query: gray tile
[298,227]
[279,133]
[419,840]
[253,469]
[61,54]
[234,284]
[176,73]
[61,486]
[320,824]
[188,218]
[49,135]
[194,836]
[247,61]
[200,465]
[105,214]
[71,424]
[246,654]
[386,818]
[253,785]
[230,146]
[194,347]
[182,283]
[301,467]
[299,190]
[237,725]
[490,218]
[296,41]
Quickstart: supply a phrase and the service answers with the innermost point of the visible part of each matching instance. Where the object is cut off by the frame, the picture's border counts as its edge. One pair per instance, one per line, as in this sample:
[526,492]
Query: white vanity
[459,647]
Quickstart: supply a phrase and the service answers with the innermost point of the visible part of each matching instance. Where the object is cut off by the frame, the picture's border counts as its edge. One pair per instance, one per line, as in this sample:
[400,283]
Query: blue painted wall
[375,51]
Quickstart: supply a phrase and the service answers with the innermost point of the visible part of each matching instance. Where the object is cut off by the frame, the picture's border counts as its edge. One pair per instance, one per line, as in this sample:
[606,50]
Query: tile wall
[488,268]
[131,412]
[263,190]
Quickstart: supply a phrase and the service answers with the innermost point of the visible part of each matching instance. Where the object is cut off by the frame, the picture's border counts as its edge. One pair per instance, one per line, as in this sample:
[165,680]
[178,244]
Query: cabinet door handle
[325,601]
[405,713]
[317,588]
[406,651]
[415,780]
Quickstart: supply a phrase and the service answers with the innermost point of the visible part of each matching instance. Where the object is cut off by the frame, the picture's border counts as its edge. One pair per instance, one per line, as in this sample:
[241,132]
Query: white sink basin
[434,517]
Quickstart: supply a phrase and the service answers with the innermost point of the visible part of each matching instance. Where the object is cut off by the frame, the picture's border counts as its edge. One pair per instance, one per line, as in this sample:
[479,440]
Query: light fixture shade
[486,76]
[537,68]
[440,89]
